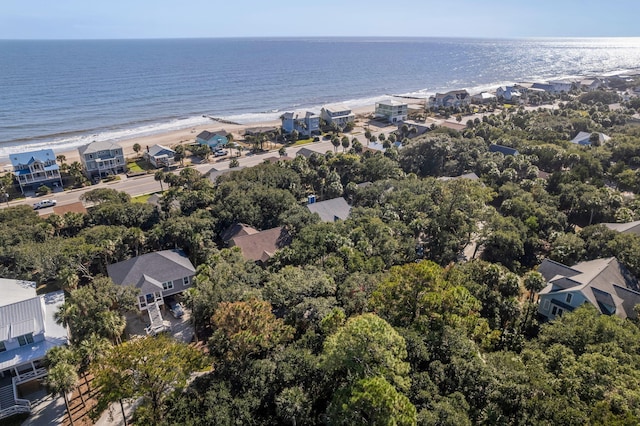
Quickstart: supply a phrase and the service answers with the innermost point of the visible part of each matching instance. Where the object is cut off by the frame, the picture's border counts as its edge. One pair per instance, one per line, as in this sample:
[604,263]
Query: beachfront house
[159,156]
[391,110]
[101,159]
[590,84]
[28,329]
[508,93]
[483,98]
[306,125]
[604,283]
[214,140]
[36,168]
[584,138]
[454,98]
[337,113]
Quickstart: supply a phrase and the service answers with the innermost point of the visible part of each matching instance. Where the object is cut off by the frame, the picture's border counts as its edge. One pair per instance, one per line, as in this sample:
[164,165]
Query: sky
[109,19]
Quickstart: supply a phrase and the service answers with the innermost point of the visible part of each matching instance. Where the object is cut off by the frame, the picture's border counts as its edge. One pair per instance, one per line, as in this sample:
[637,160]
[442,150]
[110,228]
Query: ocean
[62,94]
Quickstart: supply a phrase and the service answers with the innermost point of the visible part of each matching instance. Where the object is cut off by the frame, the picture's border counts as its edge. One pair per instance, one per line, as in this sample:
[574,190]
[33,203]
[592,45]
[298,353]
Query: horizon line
[298,37]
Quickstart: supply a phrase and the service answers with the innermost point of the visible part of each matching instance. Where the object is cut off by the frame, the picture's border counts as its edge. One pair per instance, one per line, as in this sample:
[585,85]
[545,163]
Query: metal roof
[25,158]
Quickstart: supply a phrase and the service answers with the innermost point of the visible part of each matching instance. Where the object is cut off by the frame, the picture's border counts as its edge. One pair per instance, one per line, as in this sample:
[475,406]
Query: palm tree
[61,380]
[159,177]
[63,162]
[335,142]
[345,143]
[90,350]
[112,325]
[137,148]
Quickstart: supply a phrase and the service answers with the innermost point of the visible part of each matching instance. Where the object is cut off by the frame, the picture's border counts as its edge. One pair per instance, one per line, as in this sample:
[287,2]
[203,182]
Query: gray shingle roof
[605,283]
[330,210]
[625,228]
[147,270]
[98,146]
[503,149]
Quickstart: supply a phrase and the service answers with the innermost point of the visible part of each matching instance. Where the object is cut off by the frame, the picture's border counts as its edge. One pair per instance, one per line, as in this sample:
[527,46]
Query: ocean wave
[70,140]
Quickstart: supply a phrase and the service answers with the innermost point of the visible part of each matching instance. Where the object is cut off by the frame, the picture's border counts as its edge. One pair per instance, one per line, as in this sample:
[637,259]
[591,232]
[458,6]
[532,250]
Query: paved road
[146,184]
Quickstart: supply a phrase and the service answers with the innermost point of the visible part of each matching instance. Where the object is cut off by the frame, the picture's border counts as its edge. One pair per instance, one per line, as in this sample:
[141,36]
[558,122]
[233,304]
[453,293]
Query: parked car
[174,307]
[220,152]
[44,203]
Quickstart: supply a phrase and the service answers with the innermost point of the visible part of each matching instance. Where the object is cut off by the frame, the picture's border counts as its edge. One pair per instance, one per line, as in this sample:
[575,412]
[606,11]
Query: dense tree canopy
[417,308]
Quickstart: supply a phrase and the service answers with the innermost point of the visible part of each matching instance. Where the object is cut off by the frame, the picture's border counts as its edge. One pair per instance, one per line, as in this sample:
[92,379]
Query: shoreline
[187,134]
[172,138]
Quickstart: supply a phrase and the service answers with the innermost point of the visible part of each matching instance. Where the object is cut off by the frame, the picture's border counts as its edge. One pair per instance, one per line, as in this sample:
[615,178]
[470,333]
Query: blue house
[505,150]
[305,126]
[213,140]
[36,168]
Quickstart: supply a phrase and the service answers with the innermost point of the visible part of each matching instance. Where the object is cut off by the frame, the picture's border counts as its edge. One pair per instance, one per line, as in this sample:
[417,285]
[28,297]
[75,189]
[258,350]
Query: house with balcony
[391,110]
[213,140]
[604,283]
[337,113]
[159,156]
[36,168]
[483,98]
[102,158]
[306,125]
[508,93]
[27,331]
[157,275]
[454,98]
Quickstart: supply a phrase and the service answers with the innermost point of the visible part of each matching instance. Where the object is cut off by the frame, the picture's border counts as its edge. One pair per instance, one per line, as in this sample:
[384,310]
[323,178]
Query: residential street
[146,184]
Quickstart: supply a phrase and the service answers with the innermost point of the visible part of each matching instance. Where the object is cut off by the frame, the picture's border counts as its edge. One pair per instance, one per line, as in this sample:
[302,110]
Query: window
[554,310]
[560,312]
[545,305]
[2,347]
[185,281]
[143,301]
[25,339]
[167,285]
[569,297]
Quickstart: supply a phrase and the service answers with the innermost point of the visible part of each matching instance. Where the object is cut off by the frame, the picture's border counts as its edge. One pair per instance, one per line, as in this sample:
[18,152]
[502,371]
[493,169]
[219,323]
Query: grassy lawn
[302,141]
[141,198]
[139,166]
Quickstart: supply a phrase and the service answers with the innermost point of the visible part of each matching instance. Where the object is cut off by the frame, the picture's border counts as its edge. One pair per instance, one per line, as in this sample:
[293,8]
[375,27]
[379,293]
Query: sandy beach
[188,136]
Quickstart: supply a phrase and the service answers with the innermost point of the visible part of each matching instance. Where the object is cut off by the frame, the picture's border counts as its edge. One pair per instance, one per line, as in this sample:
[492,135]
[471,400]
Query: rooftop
[97,146]
[148,269]
[25,158]
[35,315]
[331,210]
[262,245]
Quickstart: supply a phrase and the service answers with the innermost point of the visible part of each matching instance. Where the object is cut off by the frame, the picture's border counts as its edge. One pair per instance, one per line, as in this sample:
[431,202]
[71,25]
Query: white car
[220,152]
[44,203]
